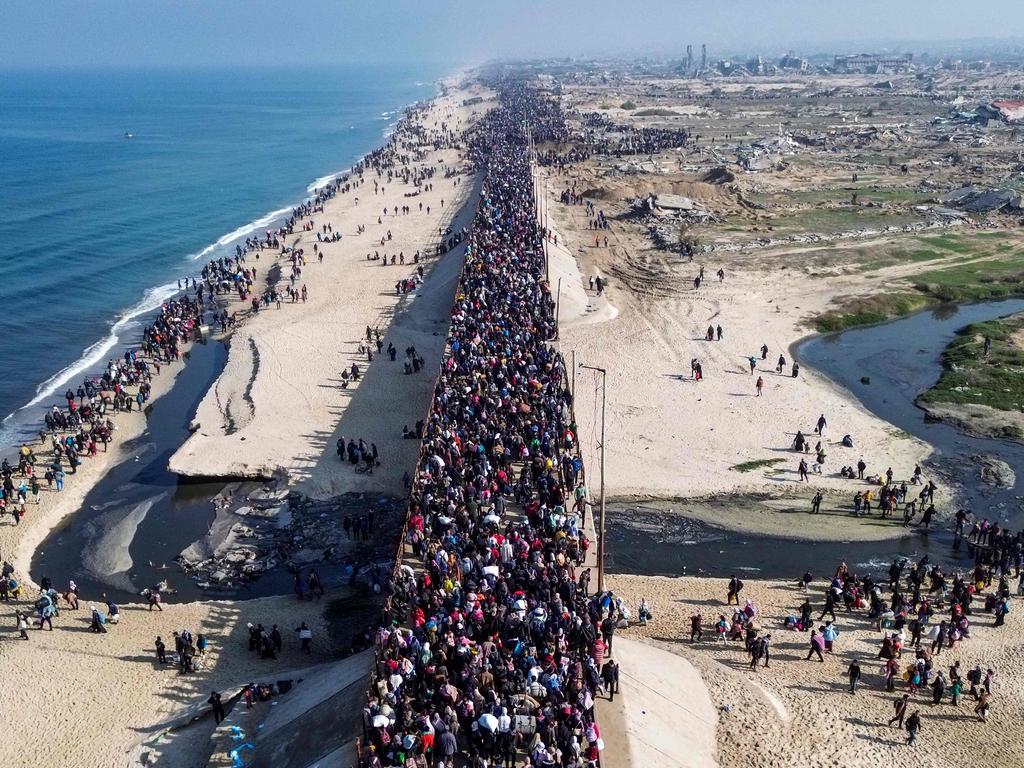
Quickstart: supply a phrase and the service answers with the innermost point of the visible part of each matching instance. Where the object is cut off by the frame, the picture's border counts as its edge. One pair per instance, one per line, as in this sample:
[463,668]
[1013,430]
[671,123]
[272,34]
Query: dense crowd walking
[492,645]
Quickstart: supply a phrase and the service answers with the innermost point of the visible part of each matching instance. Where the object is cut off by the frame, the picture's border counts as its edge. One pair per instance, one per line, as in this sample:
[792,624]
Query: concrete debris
[268,498]
[975,199]
[666,213]
[942,213]
[771,242]
[765,154]
[719,175]
[674,203]
[272,527]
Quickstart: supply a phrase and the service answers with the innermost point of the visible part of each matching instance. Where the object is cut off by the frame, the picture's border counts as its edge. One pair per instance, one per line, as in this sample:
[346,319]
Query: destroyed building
[870,63]
[976,199]
[791,62]
[1010,111]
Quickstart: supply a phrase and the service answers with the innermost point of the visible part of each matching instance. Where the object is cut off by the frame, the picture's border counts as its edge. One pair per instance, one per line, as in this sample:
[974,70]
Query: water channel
[901,359]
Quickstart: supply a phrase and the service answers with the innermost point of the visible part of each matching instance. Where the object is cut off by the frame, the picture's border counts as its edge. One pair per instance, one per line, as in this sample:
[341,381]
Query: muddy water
[139,516]
[649,540]
[901,359]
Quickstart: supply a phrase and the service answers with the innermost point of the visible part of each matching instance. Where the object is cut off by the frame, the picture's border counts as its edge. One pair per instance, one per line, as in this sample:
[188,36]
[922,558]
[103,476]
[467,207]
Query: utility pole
[600,533]
[558,306]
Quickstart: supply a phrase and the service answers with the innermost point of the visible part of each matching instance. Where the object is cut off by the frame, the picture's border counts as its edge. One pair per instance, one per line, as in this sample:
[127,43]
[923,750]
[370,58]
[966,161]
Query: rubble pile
[822,237]
[274,527]
[977,199]
[666,214]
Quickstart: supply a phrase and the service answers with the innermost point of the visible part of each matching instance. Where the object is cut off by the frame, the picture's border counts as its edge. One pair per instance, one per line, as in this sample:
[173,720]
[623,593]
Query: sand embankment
[280,405]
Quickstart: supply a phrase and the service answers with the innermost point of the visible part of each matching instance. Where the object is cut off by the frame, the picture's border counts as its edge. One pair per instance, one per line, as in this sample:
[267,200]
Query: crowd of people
[492,646]
[83,426]
[919,612]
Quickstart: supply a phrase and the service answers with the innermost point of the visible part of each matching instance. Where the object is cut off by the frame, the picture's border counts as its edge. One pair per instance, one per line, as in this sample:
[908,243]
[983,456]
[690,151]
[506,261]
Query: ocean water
[97,227]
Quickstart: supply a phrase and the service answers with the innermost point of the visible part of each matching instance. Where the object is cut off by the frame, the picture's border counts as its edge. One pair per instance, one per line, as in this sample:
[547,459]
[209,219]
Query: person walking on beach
[766,648]
[982,707]
[696,633]
[816,643]
[802,469]
[913,728]
[161,650]
[759,384]
[305,638]
[900,707]
[816,502]
[735,585]
[938,688]
[853,673]
[21,620]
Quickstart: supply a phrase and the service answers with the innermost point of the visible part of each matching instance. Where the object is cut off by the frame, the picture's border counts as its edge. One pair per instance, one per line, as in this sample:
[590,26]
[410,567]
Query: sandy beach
[683,438]
[797,706]
[118,715]
[280,405]
[716,450]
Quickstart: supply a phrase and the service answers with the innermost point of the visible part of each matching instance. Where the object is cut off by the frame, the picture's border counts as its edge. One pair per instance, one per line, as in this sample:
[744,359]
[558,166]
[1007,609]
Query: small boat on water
[128,135]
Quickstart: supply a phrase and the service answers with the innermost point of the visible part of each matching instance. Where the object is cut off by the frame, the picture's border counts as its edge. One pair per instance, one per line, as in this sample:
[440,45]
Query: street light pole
[558,306]
[600,538]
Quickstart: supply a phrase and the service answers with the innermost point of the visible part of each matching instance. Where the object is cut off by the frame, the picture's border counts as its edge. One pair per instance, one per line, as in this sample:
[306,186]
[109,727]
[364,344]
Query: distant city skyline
[106,33]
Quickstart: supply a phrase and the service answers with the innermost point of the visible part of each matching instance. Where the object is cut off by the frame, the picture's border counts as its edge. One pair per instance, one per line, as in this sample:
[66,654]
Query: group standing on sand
[924,614]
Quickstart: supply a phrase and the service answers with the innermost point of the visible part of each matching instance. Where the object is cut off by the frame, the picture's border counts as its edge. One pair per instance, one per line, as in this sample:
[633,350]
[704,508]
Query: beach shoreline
[144,696]
[42,519]
[276,411]
[16,426]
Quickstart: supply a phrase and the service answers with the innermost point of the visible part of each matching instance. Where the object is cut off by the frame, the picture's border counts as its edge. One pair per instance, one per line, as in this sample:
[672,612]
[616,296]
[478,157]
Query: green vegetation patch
[951,242]
[971,377]
[750,466]
[628,105]
[963,279]
[655,112]
[870,310]
[976,280]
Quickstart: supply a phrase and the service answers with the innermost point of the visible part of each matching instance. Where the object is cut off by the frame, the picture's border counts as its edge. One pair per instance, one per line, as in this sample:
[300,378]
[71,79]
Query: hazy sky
[225,32]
